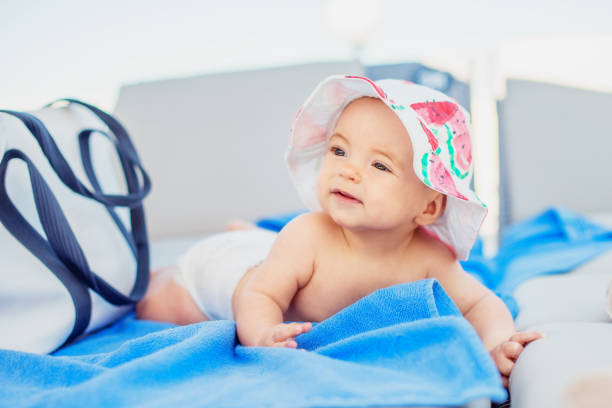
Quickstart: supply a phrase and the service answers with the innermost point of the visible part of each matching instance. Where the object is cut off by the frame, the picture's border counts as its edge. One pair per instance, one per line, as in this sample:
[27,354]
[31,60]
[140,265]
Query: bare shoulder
[309,229]
[438,257]
[442,265]
[297,244]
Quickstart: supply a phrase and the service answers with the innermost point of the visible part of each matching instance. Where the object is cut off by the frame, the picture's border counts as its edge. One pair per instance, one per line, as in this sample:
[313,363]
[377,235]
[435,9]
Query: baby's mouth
[344,196]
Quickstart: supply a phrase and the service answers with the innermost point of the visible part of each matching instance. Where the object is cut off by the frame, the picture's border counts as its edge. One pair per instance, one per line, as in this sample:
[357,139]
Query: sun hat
[439,130]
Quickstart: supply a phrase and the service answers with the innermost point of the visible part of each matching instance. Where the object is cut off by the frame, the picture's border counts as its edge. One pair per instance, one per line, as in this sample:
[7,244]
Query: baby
[386,168]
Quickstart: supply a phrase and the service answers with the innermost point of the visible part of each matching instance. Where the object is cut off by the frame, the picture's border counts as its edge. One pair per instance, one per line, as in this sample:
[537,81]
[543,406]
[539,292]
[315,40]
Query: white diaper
[211,269]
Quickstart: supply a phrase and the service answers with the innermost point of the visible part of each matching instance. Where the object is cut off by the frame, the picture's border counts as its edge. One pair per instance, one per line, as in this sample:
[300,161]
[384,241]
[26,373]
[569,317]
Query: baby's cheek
[388,208]
[321,187]
[409,201]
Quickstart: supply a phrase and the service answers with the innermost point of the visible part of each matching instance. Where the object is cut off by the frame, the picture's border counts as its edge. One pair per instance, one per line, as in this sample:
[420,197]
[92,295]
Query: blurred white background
[88,49]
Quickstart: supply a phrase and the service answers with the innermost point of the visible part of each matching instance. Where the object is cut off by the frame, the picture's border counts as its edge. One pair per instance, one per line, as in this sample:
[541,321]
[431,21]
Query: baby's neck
[374,243]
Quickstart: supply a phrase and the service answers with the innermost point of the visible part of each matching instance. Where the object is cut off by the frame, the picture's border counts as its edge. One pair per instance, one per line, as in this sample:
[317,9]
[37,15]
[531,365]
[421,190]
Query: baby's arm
[486,312]
[266,296]
[481,307]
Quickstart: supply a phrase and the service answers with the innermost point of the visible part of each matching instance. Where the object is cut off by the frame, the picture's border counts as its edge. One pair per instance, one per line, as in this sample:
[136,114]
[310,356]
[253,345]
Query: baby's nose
[350,173]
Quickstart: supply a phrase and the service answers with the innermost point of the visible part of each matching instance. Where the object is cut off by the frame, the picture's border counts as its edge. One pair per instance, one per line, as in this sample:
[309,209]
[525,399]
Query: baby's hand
[506,353]
[283,335]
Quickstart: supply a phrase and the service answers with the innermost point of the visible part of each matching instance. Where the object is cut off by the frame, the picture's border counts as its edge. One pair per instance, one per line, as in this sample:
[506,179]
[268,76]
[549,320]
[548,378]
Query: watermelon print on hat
[433,140]
[448,116]
[460,146]
[436,176]
[439,131]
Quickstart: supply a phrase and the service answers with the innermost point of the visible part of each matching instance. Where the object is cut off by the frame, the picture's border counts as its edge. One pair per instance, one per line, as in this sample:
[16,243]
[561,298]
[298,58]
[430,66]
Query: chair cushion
[577,296]
[546,370]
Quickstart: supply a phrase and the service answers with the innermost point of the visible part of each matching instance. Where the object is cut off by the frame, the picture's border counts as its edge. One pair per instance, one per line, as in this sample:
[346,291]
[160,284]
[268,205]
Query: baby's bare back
[341,275]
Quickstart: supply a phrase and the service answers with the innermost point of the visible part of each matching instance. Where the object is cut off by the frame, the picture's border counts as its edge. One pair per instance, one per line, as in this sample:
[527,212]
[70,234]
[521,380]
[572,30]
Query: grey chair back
[555,149]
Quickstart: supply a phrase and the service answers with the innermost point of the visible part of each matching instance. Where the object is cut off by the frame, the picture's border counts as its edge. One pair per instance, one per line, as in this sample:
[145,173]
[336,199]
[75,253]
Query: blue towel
[555,241]
[403,345]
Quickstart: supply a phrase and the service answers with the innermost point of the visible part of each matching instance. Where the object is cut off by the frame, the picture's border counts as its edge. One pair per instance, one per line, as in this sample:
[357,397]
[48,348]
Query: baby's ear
[433,210]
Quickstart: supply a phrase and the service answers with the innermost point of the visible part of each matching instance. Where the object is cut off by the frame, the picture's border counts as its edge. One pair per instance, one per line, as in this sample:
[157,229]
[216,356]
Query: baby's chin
[354,223]
[361,223]
[344,223]
[342,219]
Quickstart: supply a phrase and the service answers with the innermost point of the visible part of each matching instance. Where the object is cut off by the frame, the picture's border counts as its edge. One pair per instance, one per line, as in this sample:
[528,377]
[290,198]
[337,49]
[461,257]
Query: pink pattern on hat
[314,132]
[298,113]
[435,113]
[433,142]
[449,114]
[440,177]
[335,94]
[460,140]
[380,92]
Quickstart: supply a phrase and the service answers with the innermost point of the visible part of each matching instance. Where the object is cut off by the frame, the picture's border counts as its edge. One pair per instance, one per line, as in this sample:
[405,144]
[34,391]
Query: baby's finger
[305,327]
[288,344]
[295,329]
[504,365]
[283,332]
[512,349]
[298,328]
[526,337]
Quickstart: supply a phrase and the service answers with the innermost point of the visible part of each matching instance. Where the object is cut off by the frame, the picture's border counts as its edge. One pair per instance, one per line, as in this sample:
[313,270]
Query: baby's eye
[338,151]
[381,166]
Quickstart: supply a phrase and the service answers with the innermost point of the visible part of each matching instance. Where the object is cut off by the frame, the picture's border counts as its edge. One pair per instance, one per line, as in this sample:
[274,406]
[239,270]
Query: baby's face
[366,180]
